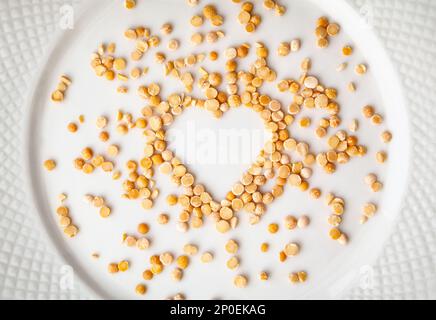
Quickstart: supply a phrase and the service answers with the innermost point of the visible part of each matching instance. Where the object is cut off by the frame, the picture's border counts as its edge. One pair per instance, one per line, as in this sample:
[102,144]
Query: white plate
[350,259]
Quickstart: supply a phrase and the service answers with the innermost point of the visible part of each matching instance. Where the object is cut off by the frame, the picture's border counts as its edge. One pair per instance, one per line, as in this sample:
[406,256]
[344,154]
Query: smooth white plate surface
[331,267]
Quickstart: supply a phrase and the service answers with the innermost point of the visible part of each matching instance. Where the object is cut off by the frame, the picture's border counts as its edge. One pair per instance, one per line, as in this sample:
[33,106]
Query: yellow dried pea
[381,156]
[143,228]
[57,96]
[147,275]
[333,29]
[190,249]
[172,200]
[369,210]
[232,263]
[163,218]
[376,186]
[273,228]
[240,281]
[335,233]
[264,276]
[206,257]
[376,119]
[284,49]
[112,268]
[223,226]
[368,111]
[302,276]
[323,43]
[173,44]
[361,69]
[166,258]
[50,164]
[232,246]
[182,261]
[193,2]
[177,274]
[129,4]
[197,21]
[120,64]
[64,221]
[282,256]
[123,265]
[72,127]
[71,231]
[386,136]
[140,289]
[197,38]
[105,211]
[166,28]
[347,50]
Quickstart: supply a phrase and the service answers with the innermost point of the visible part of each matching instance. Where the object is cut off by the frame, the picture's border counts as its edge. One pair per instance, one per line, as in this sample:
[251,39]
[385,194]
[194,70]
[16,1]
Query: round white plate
[331,267]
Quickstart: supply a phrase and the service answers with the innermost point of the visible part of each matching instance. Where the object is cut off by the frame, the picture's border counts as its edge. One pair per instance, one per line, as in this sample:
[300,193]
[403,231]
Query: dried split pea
[177,274]
[232,263]
[343,239]
[193,3]
[105,211]
[143,228]
[386,136]
[57,96]
[369,210]
[377,186]
[123,266]
[368,111]
[361,69]
[376,119]
[292,249]
[141,289]
[166,28]
[264,247]
[129,4]
[273,228]
[173,45]
[284,49]
[291,222]
[182,262]
[147,275]
[142,243]
[302,276]
[335,233]
[223,226]
[166,258]
[347,50]
[120,64]
[333,29]
[293,278]
[206,257]
[172,200]
[381,156]
[72,127]
[282,256]
[232,247]
[71,231]
[240,281]
[264,276]
[303,222]
[163,218]
[112,268]
[190,249]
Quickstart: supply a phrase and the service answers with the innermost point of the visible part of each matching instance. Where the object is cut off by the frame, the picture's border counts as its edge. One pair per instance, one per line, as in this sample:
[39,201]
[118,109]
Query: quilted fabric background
[29,269]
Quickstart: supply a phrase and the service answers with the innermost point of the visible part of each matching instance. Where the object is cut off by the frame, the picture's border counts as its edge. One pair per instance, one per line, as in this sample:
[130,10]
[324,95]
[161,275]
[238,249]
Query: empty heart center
[218,151]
